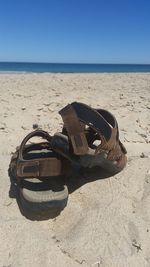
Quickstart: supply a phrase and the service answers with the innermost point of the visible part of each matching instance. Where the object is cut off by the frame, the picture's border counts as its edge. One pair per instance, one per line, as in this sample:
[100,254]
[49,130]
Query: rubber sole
[39,196]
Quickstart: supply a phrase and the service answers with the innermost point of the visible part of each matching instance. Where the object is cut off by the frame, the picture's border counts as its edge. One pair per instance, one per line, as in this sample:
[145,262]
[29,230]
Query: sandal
[37,169]
[83,127]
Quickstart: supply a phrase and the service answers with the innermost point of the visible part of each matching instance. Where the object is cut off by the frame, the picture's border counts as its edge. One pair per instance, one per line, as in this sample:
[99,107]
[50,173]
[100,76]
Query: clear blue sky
[93,31]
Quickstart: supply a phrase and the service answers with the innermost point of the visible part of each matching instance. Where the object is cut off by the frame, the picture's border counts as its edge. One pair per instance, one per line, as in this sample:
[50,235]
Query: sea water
[71,68]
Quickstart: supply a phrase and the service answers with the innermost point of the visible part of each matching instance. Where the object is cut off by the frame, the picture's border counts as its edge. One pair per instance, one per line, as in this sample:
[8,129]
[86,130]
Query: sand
[106,222]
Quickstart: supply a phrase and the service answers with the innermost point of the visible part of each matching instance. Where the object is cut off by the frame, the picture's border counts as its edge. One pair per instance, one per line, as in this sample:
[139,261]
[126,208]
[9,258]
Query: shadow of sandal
[77,179]
[45,209]
[82,176]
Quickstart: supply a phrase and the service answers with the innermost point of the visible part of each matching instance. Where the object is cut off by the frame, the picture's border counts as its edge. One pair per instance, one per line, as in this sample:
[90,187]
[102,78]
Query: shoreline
[64,68]
[67,73]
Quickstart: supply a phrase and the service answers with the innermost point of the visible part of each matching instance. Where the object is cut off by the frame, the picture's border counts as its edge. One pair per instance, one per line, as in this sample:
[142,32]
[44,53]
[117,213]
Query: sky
[75,31]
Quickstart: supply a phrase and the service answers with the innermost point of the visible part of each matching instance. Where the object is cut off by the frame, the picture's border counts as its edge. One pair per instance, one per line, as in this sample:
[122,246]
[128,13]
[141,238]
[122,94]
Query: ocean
[71,68]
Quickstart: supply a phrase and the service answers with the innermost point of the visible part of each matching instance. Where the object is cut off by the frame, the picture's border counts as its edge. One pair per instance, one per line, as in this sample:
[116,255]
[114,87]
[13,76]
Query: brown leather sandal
[37,168]
[83,126]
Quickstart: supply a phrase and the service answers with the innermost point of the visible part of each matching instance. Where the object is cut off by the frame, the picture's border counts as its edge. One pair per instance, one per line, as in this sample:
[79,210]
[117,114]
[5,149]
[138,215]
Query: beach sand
[106,222]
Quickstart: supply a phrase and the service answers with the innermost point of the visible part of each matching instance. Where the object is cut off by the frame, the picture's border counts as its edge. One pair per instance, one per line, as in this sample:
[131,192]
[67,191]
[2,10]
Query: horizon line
[78,63]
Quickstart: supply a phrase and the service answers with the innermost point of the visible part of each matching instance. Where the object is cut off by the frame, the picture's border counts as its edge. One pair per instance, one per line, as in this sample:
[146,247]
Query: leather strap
[103,122]
[39,133]
[75,130]
[93,119]
[110,118]
[39,167]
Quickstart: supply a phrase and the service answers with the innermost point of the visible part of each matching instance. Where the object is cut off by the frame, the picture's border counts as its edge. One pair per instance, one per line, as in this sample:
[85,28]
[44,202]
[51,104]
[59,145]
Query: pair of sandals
[89,138]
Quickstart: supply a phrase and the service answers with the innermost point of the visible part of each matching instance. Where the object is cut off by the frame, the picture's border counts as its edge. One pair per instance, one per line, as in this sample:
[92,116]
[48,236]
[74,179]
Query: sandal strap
[92,118]
[40,167]
[76,115]
[38,133]
[75,129]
